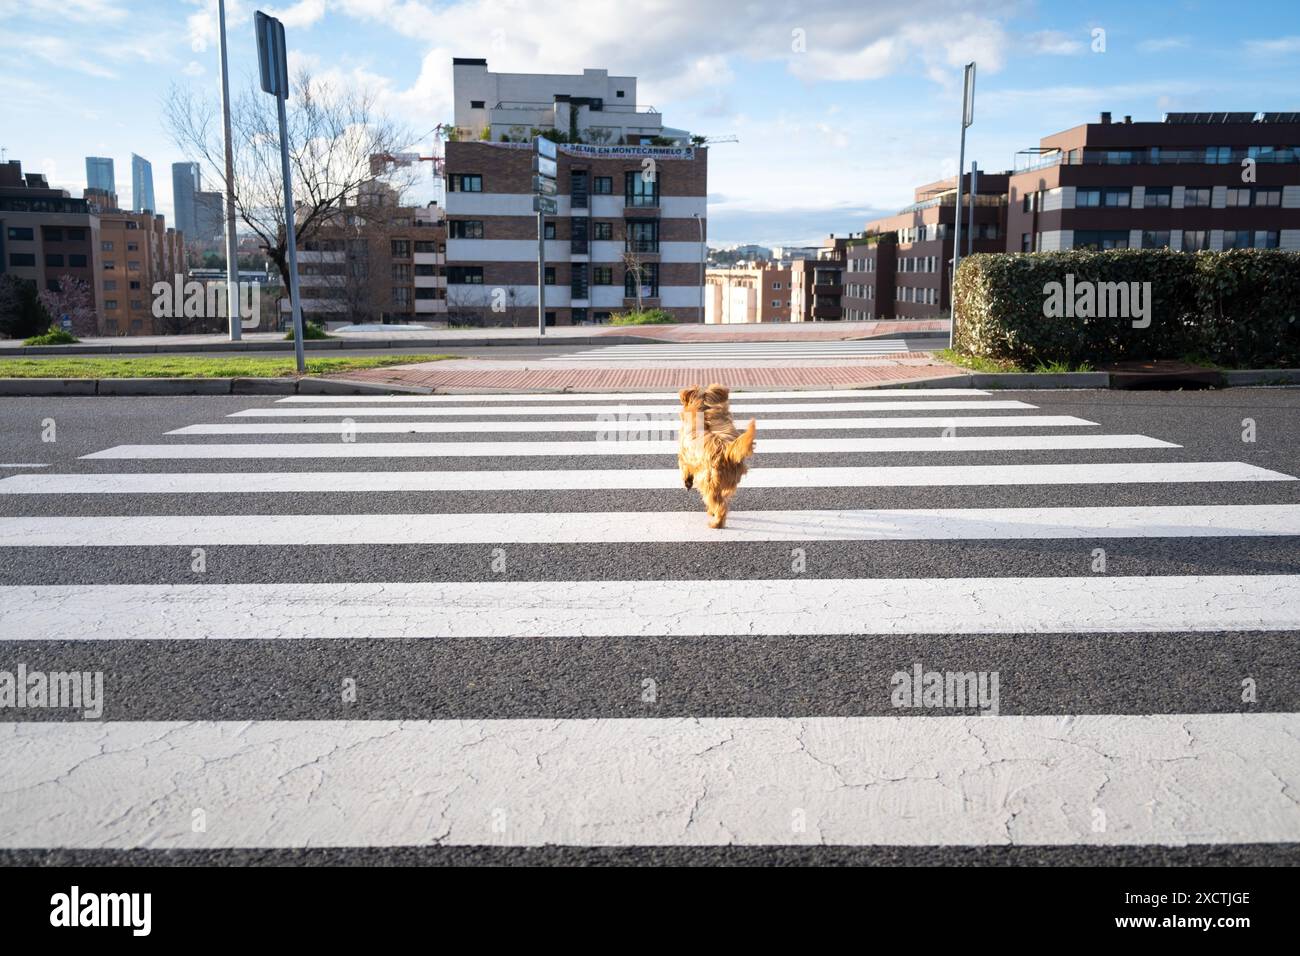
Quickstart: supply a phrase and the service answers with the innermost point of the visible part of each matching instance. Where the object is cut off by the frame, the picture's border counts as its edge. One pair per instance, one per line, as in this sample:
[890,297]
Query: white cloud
[77,11]
[57,52]
[1281,46]
[1055,43]
[1161,44]
[193,68]
[302,14]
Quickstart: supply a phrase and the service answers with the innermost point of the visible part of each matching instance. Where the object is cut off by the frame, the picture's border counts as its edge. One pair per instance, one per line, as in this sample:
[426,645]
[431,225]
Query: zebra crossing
[745,351]
[523,633]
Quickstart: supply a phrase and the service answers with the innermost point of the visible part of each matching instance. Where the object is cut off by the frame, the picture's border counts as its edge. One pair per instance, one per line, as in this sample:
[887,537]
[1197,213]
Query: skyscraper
[141,184]
[99,174]
[185,186]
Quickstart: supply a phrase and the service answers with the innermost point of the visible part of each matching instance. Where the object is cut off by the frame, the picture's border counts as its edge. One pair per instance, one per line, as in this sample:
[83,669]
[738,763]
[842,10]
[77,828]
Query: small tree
[21,313]
[633,263]
[72,298]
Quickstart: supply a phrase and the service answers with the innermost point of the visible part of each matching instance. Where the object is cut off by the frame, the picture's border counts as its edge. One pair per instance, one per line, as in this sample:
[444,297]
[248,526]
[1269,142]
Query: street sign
[968,97]
[272,63]
[545,205]
[547,167]
[545,147]
[65,321]
[544,186]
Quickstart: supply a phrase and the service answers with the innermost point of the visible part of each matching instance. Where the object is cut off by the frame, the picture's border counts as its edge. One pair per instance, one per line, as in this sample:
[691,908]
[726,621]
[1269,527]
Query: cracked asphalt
[599,681]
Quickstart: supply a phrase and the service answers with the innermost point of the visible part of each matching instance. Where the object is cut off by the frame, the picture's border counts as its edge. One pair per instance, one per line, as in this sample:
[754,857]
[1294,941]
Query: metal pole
[291,237]
[956,244]
[232,260]
[970,209]
[700,219]
[541,273]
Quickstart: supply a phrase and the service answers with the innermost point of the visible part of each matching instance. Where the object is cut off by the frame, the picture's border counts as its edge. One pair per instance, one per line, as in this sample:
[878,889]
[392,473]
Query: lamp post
[700,220]
[232,248]
[967,117]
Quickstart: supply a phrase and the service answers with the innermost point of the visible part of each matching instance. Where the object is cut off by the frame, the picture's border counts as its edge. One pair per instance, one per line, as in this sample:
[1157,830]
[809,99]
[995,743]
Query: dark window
[476,104]
[1116,197]
[1239,197]
[465,229]
[424,245]
[548,277]
[603,186]
[1096,239]
[110,303]
[578,189]
[467,183]
[1236,239]
[1267,239]
[424,269]
[77,262]
[21,234]
[1026,242]
[54,260]
[578,236]
[640,191]
[643,235]
[426,293]
[110,285]
[134,284]
[1158,239]
[75,235]
[401,248]
[52,233]
[1084,198]
[1158,197]
[603,231]
[602,275]
[1196,197]
[1195,239]
[619,94]
[401,296]
[578,280]
[464,275]
[22,259]
[649,276]
[548,230]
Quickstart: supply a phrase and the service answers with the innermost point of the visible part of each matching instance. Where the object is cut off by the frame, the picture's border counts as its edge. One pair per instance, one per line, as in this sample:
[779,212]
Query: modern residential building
[919,259]
[375,262]
[631,224]
[1193,181]
[141,185]
[818,283]
[186,182]
[137,250]
[45,234]
[209,221]
[751,292]
[99,174]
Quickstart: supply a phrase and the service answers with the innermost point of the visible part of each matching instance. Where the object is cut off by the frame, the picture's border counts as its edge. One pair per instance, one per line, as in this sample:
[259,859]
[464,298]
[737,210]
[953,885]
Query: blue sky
[841,107]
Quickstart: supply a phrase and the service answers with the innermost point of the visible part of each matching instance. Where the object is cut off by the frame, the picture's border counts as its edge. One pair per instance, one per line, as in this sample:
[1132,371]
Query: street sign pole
[275,80]
[967,117]
[545,171]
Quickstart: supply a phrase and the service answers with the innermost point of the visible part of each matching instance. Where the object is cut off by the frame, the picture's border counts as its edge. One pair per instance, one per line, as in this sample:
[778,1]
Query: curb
[82,387]
[312,345]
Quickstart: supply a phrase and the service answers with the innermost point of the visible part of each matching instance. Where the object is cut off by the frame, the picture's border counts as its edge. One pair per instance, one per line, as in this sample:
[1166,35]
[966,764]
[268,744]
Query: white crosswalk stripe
[634,778]
[744,351]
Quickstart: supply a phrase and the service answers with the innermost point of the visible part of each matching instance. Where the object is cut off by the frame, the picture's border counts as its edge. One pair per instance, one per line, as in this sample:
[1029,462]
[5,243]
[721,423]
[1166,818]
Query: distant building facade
[758,292]
[141,185]
[99,174]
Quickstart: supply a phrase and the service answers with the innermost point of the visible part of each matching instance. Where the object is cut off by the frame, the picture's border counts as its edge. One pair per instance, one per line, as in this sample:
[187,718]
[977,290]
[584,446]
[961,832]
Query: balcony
[644,246]
[578,247]
[826,311]
[827,289]
[633,205]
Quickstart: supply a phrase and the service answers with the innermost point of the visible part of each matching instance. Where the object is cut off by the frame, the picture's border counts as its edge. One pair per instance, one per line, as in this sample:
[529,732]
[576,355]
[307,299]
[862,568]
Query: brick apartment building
[631,223]
[46,234]
[1179,183]
[817,284]
[755,292]
[375,261]
[135,251]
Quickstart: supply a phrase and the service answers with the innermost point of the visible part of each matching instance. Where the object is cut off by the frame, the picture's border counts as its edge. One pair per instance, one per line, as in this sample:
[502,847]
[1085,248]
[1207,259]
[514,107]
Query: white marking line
[638,609]
[633,422]
[21,464]
[738,410]
[485,449]
[649,526]
[612,479]
[736,394]
[1166,779]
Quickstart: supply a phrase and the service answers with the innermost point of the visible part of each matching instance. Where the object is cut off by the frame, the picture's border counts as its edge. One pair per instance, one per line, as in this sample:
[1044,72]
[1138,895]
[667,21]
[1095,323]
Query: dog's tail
[743,445]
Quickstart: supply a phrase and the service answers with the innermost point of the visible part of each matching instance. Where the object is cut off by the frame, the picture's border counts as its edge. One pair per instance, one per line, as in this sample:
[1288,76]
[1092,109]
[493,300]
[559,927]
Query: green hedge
[1239,308]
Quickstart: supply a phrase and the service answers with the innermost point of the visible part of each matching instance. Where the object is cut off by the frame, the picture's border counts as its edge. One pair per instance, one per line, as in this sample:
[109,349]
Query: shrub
[55,336]
[21,312]
[1235,308]
[648,317]
[310,330]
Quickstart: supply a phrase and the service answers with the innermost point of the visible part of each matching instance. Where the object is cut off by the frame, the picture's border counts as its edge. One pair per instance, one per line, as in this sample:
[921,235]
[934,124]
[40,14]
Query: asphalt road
[1179,679]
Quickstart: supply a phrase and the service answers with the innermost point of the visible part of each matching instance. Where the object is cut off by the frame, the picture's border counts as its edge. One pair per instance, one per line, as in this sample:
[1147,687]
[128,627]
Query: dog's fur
[712,451]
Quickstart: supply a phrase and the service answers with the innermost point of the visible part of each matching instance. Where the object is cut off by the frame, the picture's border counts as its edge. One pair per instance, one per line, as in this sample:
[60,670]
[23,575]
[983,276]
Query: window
[1087,197]
[22,259]
[133,247]
[643,235]
[476,104]
[649,275]
[578,280]
[602,275]
[466,183]
[776,286]
[134,284]
[603,230]
[1096,239]
[53,260]
[77,262]
[52,233]
[548,277]
[401,296]
[465,229]
[137,303]
[1239,197]
[578,189]
[425,245]
[110,303]
[401,272]
[1026,242]
[1218,155]
[426,293]
[548,231]
[1158,197]
[639,191]
[1268,197]
[75,235]
[1195,240]
[776,303]
[110,285]
[464,275]
[21,234]
[603,185]
[1116,197]
[1267,239]
[424,269]
[133,265]
[1198,197]
[1236,239]
[1158,239]
[401,248]
[578,236]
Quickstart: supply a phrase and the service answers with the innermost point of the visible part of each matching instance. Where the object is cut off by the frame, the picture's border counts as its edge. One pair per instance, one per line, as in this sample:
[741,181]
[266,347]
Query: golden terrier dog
[712,453]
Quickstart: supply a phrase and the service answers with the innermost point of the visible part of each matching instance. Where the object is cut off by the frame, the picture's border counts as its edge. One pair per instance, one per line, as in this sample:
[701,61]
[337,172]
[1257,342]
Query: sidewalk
[524,376]
[451,339]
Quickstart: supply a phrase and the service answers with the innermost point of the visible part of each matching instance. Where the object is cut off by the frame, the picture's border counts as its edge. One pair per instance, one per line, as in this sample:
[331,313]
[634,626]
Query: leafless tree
[75,299]
[633,263]
[333,134]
